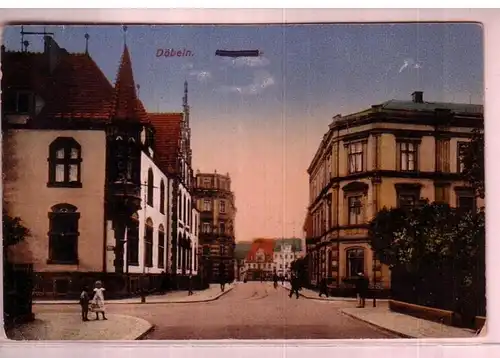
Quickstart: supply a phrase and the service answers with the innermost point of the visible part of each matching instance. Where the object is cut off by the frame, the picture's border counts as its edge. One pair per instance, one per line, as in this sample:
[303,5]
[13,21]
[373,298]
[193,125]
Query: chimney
[417,97]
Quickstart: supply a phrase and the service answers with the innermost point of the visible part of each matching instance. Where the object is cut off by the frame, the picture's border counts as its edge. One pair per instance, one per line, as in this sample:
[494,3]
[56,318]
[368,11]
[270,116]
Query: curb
[145,333]
[387,330]
[109,302]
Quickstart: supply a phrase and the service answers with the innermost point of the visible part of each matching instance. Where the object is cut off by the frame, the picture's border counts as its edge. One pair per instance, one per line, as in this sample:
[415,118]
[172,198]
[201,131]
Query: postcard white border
[300,348]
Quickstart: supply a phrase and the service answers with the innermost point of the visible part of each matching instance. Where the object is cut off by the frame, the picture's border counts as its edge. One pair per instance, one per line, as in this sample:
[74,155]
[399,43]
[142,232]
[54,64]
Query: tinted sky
[262,119]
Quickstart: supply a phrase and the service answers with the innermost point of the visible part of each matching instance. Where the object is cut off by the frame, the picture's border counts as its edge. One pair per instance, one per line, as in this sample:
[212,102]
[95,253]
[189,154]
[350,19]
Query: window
[161,247]
[148,243]
[408,195]
[222,206]
[189,213]
[162,197]
[441,193]
[184,208]
[407,200]
[408,156]
[19,102]
[207,182]
[355,206]
[206,228]
[65,158]
[355,157]
[461,150]
[222,227]
[355,262]
[63,234]
[133,241]
[150,187]
[466,200]
[207,205]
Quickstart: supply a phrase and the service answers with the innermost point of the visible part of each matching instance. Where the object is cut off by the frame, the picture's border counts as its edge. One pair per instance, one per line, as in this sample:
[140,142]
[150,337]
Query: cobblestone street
[252,310]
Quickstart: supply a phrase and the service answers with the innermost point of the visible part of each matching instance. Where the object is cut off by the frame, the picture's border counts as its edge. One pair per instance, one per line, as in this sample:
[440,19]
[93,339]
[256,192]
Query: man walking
[323,288]
[190,284]
[294,280]
[362,284]
[275,280]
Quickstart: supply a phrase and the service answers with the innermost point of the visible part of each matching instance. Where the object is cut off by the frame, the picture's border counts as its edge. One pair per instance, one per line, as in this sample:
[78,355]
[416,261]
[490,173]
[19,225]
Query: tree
[473,159]
[13,231]
[436,253]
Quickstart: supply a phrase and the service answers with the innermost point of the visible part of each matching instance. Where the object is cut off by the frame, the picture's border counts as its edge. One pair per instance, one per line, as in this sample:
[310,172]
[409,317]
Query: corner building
[392,154]
[216,203]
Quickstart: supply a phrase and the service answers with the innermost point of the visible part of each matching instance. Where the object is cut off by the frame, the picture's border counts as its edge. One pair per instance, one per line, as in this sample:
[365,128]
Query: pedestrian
[190,284]
[84,303]
[283,280]
[323,288]
[222,283]
[294,280]
[362,284]
[275,280]
[98,301]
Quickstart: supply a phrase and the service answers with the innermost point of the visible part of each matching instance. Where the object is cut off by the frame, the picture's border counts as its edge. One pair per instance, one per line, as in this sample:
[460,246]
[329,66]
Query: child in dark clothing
[84,303]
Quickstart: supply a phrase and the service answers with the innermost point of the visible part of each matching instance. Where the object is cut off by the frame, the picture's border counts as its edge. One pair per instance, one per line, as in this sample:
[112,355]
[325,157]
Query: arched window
[148,243]
[162,197]
[150,187]
[133,241]
[179,251]
[189,253]
[189,214]
[161,247]
[65,159]
[355,261]
[63,234]
[184,208]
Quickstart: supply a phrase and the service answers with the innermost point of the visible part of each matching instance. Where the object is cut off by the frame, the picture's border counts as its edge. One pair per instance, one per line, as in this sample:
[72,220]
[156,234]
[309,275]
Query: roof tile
[168,134]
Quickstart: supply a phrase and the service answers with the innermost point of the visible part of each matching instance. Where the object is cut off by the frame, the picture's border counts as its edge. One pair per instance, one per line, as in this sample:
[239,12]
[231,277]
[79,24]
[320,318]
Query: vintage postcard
[168,182]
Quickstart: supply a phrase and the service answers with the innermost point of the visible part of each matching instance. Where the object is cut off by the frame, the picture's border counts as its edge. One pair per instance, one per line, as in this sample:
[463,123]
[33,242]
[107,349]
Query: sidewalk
[210,294]
[69,326]
[404,325]
[313,295]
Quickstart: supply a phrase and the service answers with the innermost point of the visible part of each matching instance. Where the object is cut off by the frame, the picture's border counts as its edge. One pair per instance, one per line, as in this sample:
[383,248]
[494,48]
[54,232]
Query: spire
[185,98]
[87,36]
[126,103]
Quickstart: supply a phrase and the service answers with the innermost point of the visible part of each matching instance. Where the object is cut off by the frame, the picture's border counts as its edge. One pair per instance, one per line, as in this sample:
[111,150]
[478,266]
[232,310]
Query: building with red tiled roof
[259,261]
[173,154]
[81,148]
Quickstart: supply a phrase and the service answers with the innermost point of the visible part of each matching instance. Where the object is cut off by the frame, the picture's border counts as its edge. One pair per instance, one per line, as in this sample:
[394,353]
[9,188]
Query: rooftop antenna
[87,36]
[24,33]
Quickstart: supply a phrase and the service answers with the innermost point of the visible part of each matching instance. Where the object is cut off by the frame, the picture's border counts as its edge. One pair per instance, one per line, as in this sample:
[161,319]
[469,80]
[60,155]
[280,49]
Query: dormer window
[19,102]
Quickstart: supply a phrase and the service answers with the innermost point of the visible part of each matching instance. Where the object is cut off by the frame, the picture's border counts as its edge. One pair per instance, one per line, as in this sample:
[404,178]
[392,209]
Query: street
[252,310]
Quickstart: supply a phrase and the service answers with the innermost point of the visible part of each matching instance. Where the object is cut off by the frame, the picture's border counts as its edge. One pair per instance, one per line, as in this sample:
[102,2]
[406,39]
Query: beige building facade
[393,154]
[216,204]
[60,199]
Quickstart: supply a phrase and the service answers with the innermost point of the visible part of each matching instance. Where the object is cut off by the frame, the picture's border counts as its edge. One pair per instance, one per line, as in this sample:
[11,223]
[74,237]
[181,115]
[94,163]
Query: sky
[262,119]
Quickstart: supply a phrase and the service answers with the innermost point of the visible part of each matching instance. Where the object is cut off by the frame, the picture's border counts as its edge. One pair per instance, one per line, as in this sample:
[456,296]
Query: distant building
[285,252]
[390,155]
[241,250]
[216,203]
[259,263]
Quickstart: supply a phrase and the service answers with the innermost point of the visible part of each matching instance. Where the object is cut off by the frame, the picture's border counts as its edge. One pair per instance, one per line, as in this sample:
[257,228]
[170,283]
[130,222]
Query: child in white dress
[98,301]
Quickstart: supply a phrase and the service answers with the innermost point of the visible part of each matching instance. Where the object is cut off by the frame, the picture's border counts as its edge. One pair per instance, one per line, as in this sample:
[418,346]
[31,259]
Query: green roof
[241,249]
[296,244]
